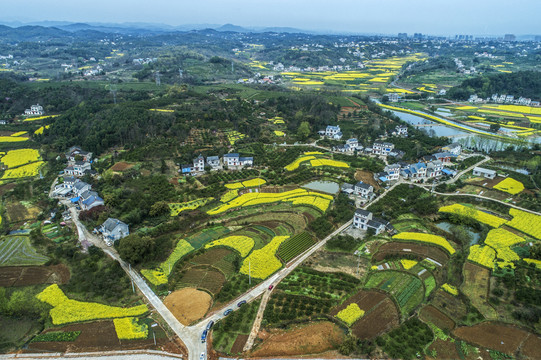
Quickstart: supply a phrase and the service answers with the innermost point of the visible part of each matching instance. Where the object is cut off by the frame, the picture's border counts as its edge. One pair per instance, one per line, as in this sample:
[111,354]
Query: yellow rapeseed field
[15,158]
[427,238]
[67,311]
[262,263]
[480,216]
[509,185]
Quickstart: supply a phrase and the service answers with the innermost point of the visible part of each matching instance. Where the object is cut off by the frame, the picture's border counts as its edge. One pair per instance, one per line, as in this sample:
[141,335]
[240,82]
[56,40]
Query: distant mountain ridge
[148,28]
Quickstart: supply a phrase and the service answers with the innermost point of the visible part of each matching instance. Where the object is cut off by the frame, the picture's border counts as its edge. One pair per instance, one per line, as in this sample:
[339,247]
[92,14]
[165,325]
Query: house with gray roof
[365,220]
[114,229]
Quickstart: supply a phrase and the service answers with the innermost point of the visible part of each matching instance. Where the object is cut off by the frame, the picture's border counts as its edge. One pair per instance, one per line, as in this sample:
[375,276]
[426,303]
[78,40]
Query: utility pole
[158,80]
[180,73]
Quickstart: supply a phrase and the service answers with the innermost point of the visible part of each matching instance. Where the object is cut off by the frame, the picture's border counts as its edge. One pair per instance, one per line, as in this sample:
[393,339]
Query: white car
[202,356]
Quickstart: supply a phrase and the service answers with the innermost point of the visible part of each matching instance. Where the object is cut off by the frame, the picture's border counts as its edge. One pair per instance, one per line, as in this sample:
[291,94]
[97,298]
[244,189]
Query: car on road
[241,303]
[271,287]
[227,312]
[204,336]
[202,356]
[209,325]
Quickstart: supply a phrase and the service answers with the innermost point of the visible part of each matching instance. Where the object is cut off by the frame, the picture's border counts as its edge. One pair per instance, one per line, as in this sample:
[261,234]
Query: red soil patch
[430,314]
[367,177]
[493,335]
[380,313]
[101,336]
[532,347]
[301,340]
[423,251]
[444,350]
[121,166]
[33,275]
[238,346]
[188,305]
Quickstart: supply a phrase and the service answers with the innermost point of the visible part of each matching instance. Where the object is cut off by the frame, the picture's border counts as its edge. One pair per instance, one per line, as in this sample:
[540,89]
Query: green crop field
[295,246]
[407,289]
[17,250]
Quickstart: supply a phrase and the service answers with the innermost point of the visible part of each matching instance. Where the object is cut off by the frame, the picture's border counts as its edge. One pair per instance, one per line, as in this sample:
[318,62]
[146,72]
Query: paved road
[457,176]
[109,355]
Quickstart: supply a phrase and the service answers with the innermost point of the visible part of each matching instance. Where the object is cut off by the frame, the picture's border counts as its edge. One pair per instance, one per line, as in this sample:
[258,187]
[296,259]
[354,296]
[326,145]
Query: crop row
[295,246]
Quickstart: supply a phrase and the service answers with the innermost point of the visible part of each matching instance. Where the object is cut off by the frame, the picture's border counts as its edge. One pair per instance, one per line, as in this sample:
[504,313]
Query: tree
[494,127]
[303,131]
[133,248]
[159,208]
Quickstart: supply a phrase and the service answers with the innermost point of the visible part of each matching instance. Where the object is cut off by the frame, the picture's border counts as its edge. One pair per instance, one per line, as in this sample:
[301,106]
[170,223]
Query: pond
[466,139]
[329,187]
[475,236]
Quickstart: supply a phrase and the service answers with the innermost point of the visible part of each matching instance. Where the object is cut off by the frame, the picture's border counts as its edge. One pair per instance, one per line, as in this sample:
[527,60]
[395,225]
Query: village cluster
[81,195]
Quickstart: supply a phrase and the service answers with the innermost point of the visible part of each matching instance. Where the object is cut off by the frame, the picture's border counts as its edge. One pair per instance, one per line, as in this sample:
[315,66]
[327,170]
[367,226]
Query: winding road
[191,335]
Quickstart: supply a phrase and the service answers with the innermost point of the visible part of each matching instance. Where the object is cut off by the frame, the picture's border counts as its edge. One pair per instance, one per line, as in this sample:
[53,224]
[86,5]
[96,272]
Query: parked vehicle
[204,336]
[271,287]
[241,303]
[209,325]
[202,356]
[227,312]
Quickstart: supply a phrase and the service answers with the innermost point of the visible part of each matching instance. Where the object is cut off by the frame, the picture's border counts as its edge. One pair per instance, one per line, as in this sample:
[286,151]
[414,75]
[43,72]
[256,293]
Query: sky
[435,17]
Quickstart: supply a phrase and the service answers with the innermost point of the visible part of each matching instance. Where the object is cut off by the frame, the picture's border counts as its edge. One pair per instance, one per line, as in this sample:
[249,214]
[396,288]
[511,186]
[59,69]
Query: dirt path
[257,322]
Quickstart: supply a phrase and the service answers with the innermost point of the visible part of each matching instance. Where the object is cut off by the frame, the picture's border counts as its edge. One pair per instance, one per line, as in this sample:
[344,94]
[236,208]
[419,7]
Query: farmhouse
[454,148]
[333,132]
[214,162]
[444,157]
[390,173]
[113,229]
[364,190]
[233,159]
[365,220]
[80,187]
[401,130]
[382,148]
[78,168]
[90,199]
[34,110]
[199,163]
[76,153]
[486,173]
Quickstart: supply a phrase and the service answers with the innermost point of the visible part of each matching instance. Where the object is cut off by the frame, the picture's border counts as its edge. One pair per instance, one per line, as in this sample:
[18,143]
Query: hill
[521,83]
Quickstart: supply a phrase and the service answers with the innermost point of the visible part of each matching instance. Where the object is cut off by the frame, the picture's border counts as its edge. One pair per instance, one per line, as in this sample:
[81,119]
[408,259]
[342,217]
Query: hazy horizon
[349,16]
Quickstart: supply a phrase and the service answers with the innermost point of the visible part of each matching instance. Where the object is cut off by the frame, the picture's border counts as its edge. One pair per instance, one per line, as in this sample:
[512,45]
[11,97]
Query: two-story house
[80,187]
[363,189]
[454,148]
[34,110]
[382,148]
[114,229]
[214,162]
[333,132]
[199,163]
[78,168]
[401,130]
[392,172]
[365,220]
[434,168]
[231,159]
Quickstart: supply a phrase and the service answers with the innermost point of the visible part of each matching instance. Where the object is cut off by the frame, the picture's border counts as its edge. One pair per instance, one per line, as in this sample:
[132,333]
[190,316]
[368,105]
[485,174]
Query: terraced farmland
[17,250]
